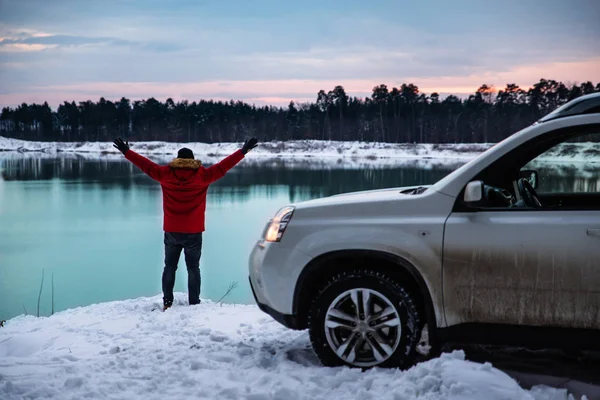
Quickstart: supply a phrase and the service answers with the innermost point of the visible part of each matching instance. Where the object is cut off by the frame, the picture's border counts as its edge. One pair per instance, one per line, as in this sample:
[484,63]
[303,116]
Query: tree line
[401,115]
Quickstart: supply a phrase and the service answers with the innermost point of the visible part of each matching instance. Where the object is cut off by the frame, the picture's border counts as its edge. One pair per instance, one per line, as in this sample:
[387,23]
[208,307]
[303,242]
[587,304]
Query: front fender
[419,245]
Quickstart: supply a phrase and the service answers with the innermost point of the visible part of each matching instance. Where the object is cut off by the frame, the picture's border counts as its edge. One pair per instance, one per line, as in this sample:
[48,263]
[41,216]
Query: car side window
[568,168]
[559,170]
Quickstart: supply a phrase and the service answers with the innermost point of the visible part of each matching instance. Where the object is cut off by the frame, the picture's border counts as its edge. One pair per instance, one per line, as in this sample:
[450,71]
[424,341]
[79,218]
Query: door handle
[593,232]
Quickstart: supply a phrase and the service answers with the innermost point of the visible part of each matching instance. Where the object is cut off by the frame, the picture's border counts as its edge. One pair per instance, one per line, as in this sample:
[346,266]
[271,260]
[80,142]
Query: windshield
[448,178]
[457,171]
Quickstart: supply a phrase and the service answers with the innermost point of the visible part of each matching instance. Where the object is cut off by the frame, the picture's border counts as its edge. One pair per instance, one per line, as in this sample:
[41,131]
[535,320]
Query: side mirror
[473,192]
[531,175]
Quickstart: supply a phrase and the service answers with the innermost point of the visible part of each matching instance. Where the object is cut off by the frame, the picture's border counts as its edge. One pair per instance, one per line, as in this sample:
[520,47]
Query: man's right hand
[120,145]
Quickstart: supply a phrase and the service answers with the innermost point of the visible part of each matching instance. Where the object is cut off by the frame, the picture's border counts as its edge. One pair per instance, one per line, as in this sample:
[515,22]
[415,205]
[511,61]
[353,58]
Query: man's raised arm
[217,171]
[148,167]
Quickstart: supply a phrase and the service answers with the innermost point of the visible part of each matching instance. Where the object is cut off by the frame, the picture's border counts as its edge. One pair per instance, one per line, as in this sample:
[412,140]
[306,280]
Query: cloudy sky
[274,51]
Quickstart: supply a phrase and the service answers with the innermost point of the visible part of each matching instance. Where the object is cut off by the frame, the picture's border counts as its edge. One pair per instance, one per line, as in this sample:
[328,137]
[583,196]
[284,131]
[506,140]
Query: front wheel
[364,319]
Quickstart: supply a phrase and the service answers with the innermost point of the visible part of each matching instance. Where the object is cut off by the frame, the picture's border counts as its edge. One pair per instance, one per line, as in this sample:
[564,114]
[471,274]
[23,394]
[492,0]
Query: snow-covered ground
[354,154]
[303,148]
[304,162]
[124,350]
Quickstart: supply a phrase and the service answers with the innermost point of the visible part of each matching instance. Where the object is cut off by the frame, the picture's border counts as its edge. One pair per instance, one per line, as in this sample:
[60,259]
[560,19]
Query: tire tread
[361,273]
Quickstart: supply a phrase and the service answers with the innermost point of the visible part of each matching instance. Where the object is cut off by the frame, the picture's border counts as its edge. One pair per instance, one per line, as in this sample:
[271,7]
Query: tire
[338,300]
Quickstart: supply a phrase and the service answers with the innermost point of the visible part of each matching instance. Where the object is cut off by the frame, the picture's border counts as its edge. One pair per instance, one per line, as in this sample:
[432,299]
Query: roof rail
[587,104]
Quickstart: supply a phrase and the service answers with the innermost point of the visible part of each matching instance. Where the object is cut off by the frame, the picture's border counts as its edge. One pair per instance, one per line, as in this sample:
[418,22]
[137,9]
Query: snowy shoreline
[124,350]
[320,152]
[304,148]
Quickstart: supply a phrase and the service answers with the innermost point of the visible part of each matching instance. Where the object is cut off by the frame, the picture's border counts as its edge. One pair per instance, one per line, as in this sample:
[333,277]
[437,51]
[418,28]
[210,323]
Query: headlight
[278,224]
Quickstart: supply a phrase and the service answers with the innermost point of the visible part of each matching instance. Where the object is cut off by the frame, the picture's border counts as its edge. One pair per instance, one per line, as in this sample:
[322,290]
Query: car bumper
[287,320]
[273,274]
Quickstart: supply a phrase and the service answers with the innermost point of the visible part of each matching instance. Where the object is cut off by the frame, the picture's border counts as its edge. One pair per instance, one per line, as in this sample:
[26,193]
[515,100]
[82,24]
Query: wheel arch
[320,268]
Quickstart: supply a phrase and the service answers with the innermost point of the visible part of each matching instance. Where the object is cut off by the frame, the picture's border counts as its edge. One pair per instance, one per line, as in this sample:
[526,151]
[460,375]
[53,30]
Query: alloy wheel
[362,327]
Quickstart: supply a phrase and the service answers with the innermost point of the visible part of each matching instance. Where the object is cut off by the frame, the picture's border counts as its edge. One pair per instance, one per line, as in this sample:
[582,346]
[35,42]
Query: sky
[275,51]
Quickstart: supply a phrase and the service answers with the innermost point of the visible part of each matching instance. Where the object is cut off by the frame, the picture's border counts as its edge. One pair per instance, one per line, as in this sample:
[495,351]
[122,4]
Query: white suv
[492,253]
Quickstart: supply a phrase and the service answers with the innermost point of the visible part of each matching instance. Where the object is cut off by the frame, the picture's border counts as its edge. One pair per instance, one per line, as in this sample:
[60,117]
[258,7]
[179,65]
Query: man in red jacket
[184,183]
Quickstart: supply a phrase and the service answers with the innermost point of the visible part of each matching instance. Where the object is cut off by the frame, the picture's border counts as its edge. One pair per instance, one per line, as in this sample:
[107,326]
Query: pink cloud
[524,76]
[281,92]
[22,47]
[279,100]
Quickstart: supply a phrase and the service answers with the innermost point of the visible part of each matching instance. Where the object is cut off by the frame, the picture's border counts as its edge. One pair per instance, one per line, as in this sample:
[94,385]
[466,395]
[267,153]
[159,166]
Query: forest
[400,115]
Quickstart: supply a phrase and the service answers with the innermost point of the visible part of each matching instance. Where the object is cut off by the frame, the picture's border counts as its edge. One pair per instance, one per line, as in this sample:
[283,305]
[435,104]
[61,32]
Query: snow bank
[289,162]
[366,153]
[123,350]
[302,148]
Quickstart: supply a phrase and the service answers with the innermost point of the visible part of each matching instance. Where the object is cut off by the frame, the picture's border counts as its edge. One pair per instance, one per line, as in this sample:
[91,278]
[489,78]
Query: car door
[531,266]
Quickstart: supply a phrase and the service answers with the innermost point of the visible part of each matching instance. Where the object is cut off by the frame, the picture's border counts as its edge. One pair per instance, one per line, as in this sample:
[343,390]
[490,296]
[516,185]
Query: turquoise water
[95,225]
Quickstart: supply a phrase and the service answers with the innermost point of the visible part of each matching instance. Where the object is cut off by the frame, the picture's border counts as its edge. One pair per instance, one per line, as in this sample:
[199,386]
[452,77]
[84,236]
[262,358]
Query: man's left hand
[120,145]
[249,145]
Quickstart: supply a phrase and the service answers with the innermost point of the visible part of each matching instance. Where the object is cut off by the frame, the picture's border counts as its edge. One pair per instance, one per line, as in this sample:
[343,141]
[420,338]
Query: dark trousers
[191,244]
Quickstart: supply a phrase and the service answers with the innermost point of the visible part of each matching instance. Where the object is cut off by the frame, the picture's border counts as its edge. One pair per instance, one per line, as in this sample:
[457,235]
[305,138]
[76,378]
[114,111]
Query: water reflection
[301,182]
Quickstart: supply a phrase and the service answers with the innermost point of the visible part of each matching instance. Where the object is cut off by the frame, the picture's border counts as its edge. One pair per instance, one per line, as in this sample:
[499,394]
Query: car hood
[365,196]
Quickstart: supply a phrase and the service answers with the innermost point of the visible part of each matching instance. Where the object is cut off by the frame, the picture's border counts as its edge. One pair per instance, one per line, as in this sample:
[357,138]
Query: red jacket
[184,185]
